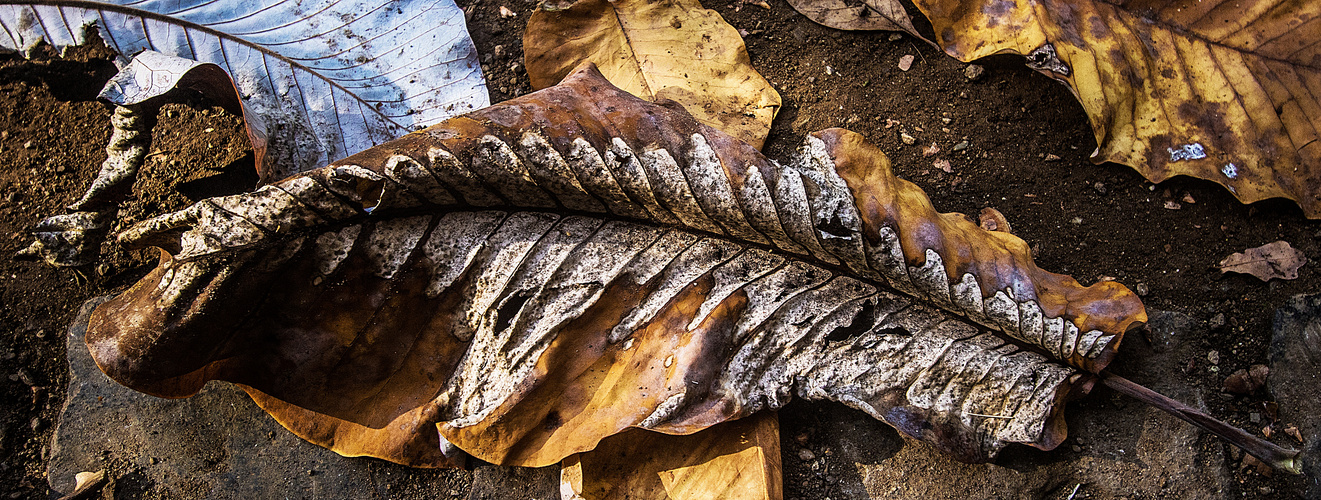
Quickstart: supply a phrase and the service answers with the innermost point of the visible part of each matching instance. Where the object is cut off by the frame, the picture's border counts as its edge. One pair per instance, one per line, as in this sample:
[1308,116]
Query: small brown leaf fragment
[1051,157]
[943,165]
[1247,381]
[1272,260]
[1188,198]
[931,150]
[906,62]
[1172,205]
[1292,431]
[993,220]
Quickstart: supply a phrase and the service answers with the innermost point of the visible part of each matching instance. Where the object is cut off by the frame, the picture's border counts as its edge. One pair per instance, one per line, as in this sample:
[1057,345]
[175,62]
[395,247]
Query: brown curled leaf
[521,282]
[887,15]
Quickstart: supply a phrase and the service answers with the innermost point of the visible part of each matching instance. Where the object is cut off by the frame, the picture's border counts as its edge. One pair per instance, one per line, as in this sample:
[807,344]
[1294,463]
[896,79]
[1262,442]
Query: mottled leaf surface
[887,15]
[656,50]
[1228,91]
[523,281]
[328,78]
[1277,259]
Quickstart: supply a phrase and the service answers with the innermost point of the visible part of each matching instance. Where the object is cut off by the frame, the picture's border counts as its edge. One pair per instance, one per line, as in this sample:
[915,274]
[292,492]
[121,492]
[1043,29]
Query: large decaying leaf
[1228,91]
[523,281]
[656,50]
[888,15]
[328,77]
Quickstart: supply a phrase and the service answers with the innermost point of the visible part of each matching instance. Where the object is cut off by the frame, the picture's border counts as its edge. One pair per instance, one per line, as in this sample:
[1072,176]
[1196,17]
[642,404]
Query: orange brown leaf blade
[673,50]
[1220,90]
[523,281]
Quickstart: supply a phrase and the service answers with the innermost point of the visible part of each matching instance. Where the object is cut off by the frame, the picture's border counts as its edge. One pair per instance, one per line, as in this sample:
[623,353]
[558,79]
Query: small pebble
[1100,188]
[1216,321]
[1077,449]
[962,145]
[29,145]
[906,62]
[1051,157]
[35,423]
[1075,220]
[1254,417]
[60,169]
[1213,357]
[974,72]
[1142,289]
[908,139]
[894,37]
[806,454]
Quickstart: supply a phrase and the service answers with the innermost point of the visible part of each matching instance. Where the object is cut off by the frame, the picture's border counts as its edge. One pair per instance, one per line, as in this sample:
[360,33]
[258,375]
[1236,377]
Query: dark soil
[1027,156]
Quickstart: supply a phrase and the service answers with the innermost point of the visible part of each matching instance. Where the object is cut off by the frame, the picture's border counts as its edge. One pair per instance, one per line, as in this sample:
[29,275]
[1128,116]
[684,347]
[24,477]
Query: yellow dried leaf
[1218,90]
[656,50]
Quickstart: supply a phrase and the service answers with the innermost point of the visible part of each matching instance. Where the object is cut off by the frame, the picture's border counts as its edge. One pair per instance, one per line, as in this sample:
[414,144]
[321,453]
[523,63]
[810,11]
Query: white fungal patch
[1003,312]
[655,258]
[1052,335]
[214,230]
[454,243]
[632,178]
[316,197]
[392,241]
[411,175]
[834,215]
[495,162]
[796,215]
[733,275]
[888,258]
[356,184]
[1070,343]
[759,208]
[967,298]
[664,411]
[1031,323]
[710,183]
[692,263]
[270,208]
[591,171]
[451,172]
[1087,345]
[933,280]
[551,172]
[767,294]
[1193,151]
[332,248]
[672,191]
[496,263]
[1230,170]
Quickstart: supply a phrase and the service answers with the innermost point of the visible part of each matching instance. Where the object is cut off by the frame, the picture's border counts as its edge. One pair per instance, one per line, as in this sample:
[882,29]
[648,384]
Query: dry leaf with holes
[1272,260]
[1215,89]
[590,262]
[673,50]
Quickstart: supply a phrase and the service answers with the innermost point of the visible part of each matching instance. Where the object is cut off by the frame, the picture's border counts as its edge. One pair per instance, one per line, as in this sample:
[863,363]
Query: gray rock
[217,444]
[1132,451]
[1295,378]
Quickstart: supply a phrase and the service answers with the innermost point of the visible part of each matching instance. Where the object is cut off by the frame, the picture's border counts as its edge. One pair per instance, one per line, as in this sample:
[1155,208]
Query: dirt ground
[1027,147]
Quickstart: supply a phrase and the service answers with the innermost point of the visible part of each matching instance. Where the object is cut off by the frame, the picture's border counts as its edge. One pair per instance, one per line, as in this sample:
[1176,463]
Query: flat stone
[216,444]
[1295,378]
[1132,451]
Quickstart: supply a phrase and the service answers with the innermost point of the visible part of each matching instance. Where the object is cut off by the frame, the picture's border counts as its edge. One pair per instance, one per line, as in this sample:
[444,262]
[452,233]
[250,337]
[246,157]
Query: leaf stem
[1278,457]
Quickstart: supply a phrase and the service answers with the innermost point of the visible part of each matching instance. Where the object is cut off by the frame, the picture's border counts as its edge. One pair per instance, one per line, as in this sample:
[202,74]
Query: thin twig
[1268,452]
